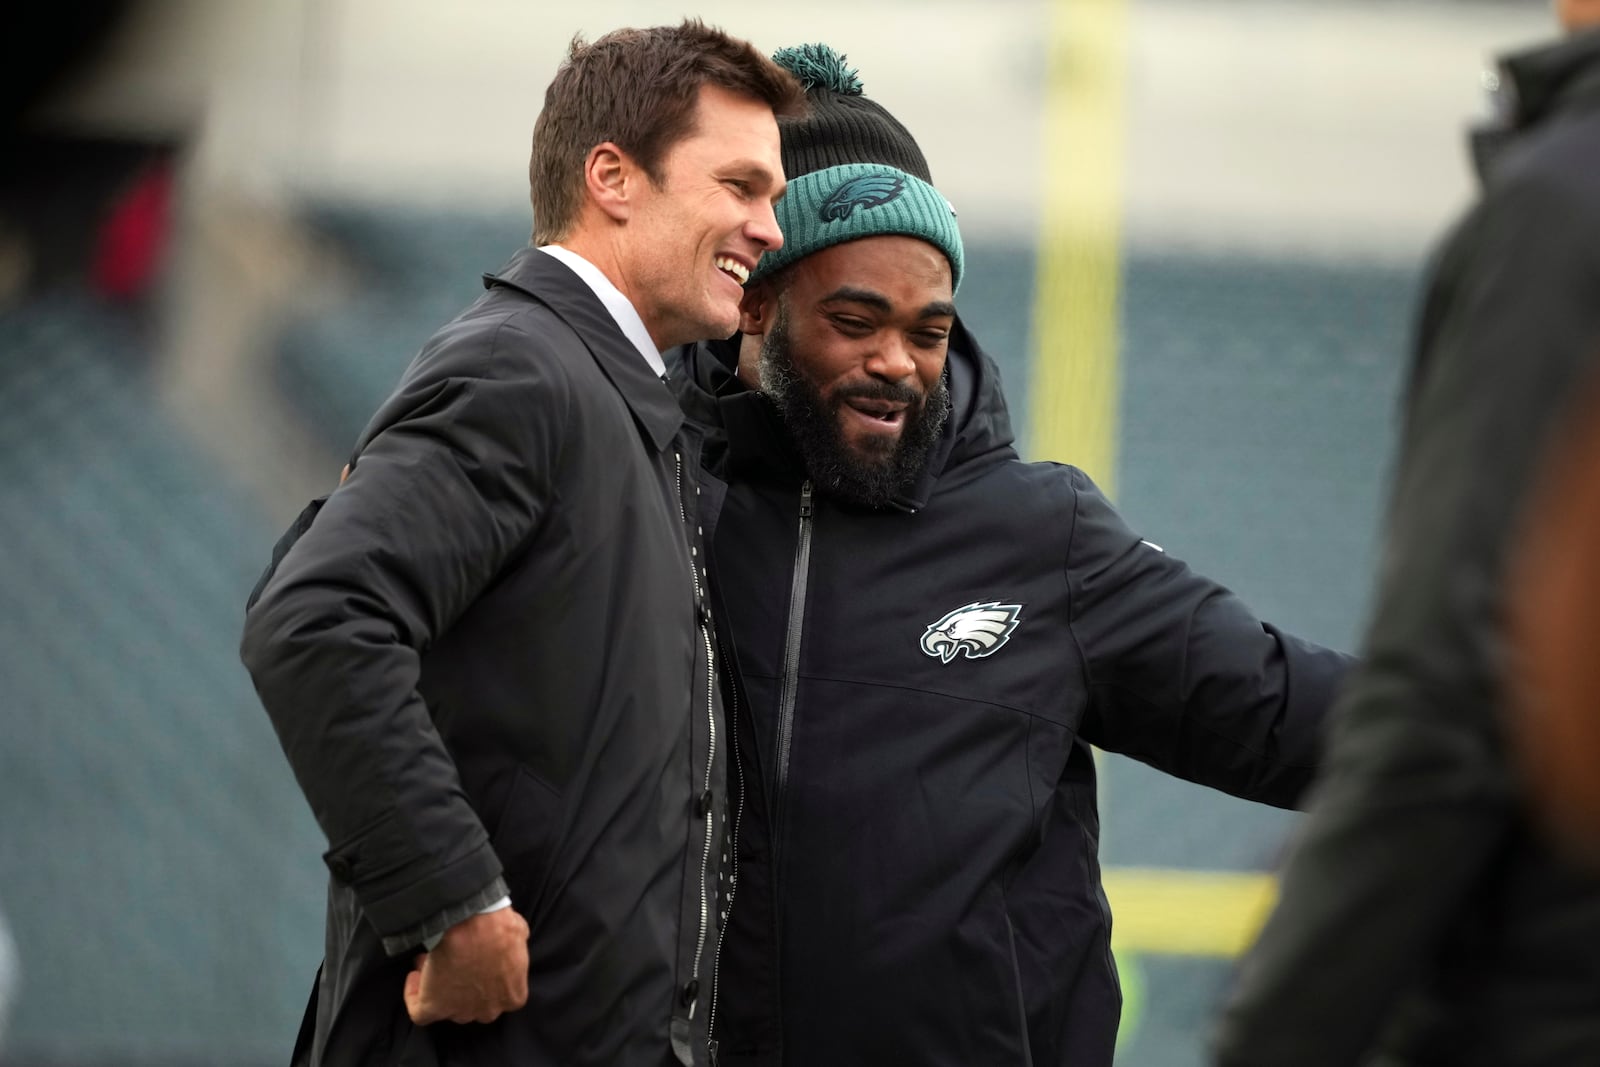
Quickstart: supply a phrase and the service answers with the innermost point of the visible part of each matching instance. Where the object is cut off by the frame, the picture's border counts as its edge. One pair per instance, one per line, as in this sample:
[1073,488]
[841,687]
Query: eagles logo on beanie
[854,170]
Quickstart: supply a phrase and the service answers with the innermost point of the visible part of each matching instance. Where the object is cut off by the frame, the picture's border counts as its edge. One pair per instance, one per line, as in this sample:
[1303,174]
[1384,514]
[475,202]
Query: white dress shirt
[621,308]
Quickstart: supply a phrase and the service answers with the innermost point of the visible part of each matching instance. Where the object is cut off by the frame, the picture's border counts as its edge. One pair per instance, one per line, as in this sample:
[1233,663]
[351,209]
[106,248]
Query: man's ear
[608,177]
[757,308]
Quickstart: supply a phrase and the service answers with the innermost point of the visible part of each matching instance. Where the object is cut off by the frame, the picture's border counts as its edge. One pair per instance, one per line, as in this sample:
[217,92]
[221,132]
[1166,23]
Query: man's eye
[930,338]
[738,186]
[852,325]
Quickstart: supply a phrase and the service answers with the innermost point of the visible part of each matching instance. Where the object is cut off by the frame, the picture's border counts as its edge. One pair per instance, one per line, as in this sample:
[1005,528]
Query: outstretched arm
[1183,676]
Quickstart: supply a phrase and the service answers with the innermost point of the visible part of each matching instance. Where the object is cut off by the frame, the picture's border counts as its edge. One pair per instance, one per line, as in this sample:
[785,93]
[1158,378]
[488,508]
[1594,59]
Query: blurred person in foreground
[928,634]
[1424,919]
[1555,629]
[488,656]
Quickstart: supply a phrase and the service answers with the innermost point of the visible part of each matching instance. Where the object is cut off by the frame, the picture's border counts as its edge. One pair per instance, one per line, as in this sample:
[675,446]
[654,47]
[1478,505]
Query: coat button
[690,992]
[341,868]
[702,804]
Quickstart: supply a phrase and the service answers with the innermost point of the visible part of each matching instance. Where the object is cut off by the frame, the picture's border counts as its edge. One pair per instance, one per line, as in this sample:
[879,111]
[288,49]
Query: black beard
[875,476]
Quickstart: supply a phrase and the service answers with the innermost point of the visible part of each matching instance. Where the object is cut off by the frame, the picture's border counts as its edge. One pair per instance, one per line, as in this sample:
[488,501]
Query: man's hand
[478,971]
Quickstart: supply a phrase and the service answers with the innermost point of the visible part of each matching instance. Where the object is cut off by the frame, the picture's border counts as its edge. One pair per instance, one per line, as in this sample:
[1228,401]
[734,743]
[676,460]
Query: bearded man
[929,634]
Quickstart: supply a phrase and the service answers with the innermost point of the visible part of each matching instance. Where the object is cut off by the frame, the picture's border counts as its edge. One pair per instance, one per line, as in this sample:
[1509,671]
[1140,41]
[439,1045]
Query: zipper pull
[805,500]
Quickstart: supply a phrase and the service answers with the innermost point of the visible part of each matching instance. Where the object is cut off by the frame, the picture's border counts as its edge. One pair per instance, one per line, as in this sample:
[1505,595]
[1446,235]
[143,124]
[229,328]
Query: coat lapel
[549,281]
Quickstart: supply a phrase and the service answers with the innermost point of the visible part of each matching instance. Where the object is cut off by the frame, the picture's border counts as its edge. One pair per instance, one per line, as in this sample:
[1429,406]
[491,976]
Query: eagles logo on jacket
[917,690]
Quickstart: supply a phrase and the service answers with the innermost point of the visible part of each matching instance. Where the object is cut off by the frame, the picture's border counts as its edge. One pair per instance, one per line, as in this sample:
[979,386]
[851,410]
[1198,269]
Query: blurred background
[1195,231]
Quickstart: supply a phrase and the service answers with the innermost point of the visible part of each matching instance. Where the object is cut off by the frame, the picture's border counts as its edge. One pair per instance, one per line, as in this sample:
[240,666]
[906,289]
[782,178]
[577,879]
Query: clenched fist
[477,972]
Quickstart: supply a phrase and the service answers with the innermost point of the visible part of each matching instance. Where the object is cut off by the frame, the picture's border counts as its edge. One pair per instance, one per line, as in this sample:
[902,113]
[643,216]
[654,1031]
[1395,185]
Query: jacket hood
[744,431]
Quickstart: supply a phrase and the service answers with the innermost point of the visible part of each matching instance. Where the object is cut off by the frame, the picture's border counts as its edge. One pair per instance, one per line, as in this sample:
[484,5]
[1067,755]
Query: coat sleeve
[1182,675]
[1417,796]
[446,492]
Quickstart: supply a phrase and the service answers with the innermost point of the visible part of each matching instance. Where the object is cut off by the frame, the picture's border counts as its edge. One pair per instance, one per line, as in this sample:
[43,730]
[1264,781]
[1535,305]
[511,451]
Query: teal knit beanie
[854,171]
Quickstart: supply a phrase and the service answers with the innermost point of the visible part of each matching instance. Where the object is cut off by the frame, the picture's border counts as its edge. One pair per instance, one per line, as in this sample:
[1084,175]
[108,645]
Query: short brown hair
[638,89]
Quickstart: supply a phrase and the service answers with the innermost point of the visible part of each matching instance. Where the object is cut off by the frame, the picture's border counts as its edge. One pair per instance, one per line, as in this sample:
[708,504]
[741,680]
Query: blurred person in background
[928,635]
[1555,719]
[487,654]
[1424,918]
[84,206]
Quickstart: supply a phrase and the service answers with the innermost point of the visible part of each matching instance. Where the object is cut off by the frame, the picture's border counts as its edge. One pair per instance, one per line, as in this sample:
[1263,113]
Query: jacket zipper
[791,666]
[711,721]
[732,861]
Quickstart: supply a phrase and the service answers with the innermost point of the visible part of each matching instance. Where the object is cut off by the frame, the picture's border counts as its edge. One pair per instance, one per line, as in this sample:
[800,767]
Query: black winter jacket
[489,654]
[918,879]
[1422,919]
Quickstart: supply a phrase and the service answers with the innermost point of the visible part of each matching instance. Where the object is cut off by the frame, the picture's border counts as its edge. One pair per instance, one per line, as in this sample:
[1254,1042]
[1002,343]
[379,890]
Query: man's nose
[762,227]
[891,360]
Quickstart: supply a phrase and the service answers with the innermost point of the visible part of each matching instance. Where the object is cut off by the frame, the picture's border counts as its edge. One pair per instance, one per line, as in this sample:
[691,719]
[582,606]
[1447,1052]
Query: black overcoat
[489,655]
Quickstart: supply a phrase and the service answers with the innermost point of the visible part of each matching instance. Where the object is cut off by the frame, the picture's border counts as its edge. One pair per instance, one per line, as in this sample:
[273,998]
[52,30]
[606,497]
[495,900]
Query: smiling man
[929,633]
[864,435]
[488,656]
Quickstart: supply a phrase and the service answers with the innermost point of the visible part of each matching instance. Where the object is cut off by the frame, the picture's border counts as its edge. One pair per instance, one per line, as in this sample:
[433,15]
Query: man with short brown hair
[488,654]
